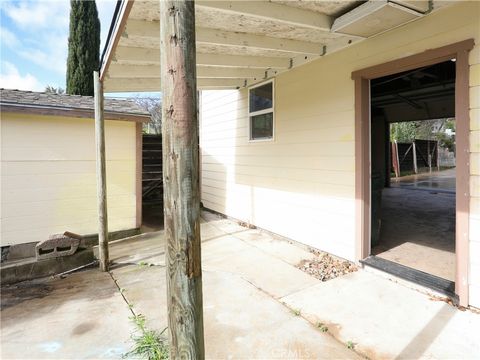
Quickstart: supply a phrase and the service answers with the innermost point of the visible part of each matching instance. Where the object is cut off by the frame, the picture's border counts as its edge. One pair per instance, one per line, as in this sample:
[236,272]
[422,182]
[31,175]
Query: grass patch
[296,312]
[149,344]
[350,345]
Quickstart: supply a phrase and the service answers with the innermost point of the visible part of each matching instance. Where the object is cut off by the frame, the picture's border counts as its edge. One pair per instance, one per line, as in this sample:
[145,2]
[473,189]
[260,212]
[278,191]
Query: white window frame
[261,112]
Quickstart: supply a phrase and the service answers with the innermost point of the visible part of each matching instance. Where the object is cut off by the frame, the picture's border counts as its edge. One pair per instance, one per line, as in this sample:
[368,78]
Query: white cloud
[39,33]
[11,79]
[8,38]
[51,56]
[37,14]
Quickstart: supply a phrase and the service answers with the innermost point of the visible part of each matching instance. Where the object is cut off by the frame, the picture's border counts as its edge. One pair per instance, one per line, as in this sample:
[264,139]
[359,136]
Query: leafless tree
[154,107]
[53,90]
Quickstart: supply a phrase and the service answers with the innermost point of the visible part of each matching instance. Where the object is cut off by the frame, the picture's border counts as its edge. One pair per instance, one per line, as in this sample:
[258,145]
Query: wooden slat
[278,13]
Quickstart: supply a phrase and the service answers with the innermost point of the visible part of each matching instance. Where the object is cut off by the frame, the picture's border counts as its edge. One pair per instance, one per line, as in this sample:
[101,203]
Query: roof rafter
[153,71]
[144,56]
[271,11]
[226,38]
[153,84]
[151,29]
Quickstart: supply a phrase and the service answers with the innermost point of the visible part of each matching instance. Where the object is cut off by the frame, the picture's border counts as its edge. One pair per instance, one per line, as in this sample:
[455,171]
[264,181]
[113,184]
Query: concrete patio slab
[82,316]
[272,275]
[146,248]
[275,245]
[257,305]
[241,321]
[389,321]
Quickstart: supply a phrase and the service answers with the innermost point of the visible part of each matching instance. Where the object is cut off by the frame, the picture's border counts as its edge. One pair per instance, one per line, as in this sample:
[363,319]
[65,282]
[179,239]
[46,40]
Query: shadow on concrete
[422,341]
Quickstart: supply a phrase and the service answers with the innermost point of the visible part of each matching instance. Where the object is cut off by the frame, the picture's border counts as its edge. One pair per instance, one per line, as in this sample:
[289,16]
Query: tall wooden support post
[181,179]
[414,154]
[101,174]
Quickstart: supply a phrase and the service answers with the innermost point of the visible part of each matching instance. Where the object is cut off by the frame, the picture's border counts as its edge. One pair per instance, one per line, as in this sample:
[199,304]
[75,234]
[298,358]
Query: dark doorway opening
[152,183]
[413,176]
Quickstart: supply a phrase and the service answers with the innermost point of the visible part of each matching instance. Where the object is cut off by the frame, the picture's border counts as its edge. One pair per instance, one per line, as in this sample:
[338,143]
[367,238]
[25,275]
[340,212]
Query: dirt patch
[325,267]
[18,293]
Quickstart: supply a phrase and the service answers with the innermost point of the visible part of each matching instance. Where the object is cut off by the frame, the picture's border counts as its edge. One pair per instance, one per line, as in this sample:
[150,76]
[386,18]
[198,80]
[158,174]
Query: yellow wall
[48,182]
[302,184]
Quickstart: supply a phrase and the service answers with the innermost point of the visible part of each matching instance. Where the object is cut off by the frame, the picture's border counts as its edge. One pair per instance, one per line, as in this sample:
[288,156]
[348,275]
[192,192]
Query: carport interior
[413,172]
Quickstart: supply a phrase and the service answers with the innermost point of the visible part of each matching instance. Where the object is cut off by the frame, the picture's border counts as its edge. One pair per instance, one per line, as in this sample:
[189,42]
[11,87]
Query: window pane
[261,126]
[261,97]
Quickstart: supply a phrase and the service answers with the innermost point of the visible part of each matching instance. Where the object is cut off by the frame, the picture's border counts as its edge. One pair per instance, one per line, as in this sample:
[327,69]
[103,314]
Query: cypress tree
[83,47]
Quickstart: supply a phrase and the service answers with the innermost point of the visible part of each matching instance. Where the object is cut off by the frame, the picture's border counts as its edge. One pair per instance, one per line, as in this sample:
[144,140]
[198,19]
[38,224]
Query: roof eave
[71,112]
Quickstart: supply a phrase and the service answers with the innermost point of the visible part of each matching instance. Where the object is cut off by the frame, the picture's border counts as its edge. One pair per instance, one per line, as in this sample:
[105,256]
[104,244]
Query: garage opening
[413,173]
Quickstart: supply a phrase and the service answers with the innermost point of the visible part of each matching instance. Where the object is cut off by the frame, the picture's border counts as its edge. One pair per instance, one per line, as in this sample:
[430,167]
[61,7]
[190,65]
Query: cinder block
[58,245]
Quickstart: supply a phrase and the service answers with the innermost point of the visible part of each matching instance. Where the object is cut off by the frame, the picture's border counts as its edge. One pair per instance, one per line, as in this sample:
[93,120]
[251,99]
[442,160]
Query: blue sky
[34,41]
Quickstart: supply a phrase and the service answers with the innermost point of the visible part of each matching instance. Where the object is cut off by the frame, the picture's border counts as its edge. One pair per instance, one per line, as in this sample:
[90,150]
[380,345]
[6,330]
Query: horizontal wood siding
[48,180]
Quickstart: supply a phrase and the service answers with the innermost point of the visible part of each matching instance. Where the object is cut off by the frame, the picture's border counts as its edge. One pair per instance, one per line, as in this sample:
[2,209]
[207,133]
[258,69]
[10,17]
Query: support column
[181,179]
[101,174]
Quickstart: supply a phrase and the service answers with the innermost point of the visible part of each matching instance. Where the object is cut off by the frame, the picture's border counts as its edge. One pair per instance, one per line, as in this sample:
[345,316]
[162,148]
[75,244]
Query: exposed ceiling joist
[153,85]
[225,38]
[243,61]
[271,11]
[151,29]
[142,28]
[229,73]
[137,55]
[153,71]
[143,56]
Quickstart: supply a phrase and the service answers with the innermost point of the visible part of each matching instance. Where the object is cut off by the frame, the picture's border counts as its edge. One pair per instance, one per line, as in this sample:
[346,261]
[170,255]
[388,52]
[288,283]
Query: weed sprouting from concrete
[144,264]
[296,312]
[149,344]
[350,345]
[322,327]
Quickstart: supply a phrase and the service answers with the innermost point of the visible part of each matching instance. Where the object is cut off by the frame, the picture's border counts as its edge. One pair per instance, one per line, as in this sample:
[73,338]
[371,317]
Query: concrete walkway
[257,304]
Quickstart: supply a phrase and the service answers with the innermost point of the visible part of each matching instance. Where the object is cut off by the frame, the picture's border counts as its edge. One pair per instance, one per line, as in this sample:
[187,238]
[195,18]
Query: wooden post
[414,154]
[395,158]
[181,179]
[101,174]
[438,155]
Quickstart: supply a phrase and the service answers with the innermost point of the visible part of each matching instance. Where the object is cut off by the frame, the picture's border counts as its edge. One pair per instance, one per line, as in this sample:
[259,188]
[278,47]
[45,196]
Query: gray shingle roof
[64,101]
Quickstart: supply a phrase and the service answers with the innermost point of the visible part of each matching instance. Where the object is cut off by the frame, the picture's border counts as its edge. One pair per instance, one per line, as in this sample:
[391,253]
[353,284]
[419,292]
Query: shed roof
[68,105]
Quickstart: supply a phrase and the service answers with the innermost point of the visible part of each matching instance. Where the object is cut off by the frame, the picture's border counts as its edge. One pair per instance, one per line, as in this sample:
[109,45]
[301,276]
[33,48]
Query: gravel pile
[325,266]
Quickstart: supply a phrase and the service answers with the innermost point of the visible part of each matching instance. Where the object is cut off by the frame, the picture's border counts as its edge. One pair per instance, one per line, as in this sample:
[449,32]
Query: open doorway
[413,174]
[152,183]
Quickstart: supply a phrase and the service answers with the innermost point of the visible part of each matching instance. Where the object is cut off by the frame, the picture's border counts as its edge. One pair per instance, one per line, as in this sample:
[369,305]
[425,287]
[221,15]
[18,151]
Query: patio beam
[228,38]
[260,62]
[153,71]
[142,56]
[149,29]
[269,11]
[181,179]
[113,85]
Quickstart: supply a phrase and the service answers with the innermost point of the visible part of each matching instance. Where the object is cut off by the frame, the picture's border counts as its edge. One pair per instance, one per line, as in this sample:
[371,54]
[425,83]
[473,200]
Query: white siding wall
[474,275]
[302,184]
[48,182]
